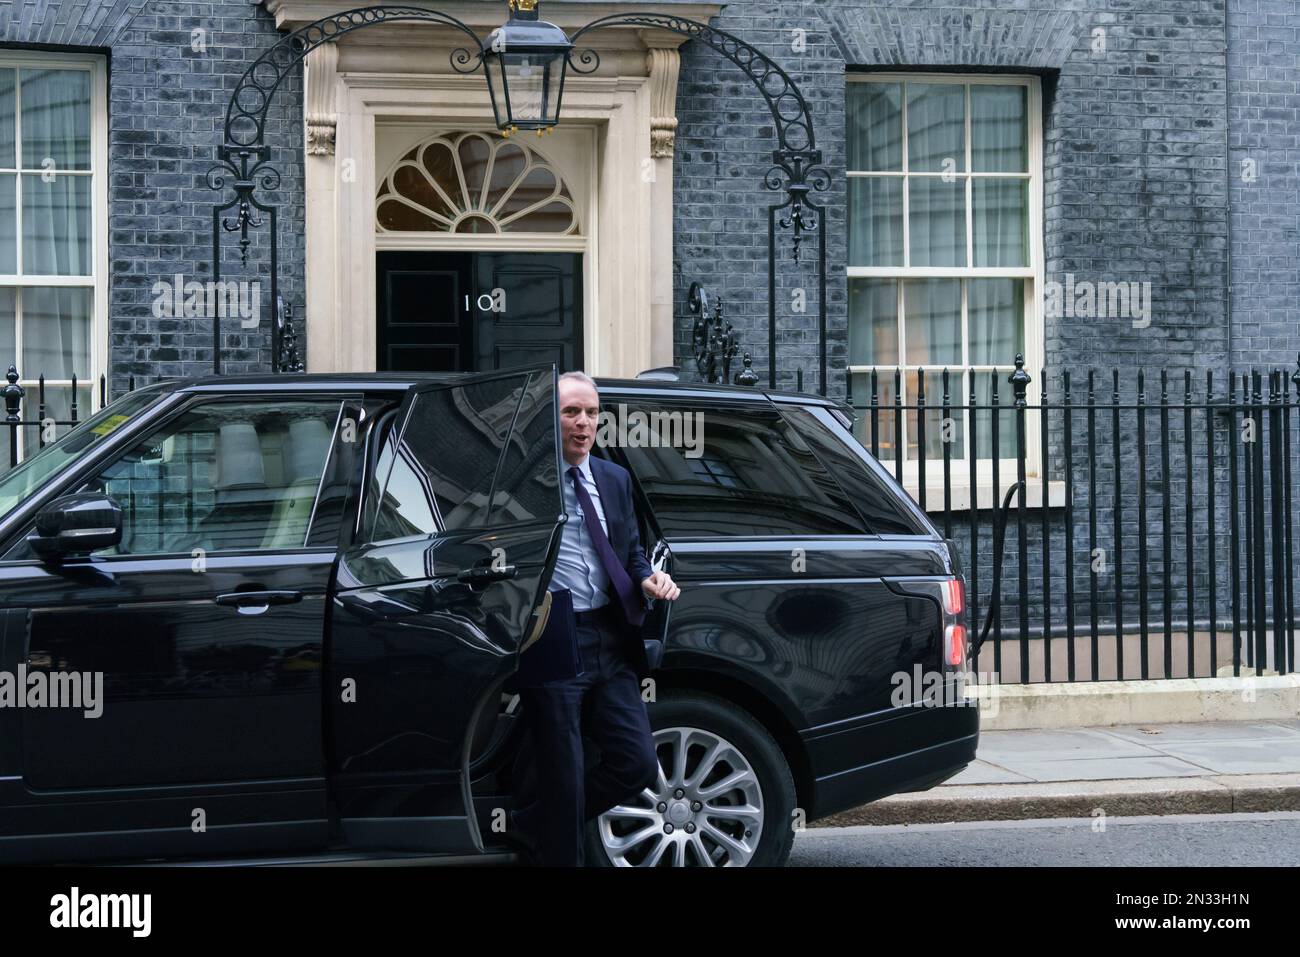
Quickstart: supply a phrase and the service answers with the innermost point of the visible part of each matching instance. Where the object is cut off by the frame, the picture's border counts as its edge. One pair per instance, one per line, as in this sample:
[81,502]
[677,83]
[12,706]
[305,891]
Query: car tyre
[705,725]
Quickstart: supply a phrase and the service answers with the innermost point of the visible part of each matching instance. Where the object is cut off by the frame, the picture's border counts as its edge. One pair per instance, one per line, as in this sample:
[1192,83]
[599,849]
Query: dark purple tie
[618,576]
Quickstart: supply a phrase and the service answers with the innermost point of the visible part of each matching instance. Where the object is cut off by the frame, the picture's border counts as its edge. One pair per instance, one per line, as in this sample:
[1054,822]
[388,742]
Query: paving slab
[1256,756]
[1291,723]
[1001,747]
[1161,736]
[982,772]
[1220,794]
[1152,765]
[1197,768]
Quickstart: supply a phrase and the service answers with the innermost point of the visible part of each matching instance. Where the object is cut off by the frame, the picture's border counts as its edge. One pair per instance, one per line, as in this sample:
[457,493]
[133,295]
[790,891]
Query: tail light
[954,645]
[954,597]
[950,594]
[954,632]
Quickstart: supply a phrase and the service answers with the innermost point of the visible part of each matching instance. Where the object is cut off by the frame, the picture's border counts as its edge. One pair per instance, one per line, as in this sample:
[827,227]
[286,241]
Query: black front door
[478,312]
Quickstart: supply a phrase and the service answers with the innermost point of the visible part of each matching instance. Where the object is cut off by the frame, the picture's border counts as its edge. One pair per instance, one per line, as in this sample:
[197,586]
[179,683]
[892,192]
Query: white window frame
[97,281]
[1032,274]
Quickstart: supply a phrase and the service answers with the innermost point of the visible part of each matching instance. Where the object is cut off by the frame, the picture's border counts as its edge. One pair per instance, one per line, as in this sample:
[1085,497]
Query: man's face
[579,410]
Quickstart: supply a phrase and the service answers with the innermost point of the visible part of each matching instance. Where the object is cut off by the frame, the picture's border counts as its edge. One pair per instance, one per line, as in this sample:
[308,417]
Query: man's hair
[581,377]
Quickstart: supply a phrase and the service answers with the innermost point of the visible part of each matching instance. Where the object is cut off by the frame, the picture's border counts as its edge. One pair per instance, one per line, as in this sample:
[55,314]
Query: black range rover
[272,618]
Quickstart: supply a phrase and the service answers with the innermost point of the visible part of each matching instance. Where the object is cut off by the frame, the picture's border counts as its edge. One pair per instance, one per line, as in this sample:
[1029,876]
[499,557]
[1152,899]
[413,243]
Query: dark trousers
[554,801]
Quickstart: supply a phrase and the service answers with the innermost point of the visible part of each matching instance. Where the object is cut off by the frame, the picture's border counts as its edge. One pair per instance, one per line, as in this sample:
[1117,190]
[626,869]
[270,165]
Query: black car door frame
[427,626]
[256,808]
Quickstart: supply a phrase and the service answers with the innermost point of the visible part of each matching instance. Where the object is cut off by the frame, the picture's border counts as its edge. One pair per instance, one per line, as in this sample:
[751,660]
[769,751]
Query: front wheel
[724,796]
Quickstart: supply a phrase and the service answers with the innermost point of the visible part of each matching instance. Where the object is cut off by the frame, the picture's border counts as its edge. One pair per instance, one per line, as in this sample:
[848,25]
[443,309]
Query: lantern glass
[531,83]
[526,60]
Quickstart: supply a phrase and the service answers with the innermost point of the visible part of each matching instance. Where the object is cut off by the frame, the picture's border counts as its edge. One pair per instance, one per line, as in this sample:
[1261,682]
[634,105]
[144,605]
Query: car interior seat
[303,451]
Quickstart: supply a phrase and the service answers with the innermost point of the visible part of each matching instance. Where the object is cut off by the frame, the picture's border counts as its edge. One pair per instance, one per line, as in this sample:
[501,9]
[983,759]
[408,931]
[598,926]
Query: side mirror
[76,525]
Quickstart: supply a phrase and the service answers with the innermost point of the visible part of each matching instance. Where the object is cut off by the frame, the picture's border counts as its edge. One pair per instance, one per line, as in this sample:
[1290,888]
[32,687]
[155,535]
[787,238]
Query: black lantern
[525,62]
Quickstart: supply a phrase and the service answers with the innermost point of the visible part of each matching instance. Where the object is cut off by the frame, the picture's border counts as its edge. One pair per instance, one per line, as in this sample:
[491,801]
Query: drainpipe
[1227,173]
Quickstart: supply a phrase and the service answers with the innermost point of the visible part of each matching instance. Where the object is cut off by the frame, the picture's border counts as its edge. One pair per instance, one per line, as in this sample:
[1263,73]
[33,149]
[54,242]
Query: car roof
[399,381]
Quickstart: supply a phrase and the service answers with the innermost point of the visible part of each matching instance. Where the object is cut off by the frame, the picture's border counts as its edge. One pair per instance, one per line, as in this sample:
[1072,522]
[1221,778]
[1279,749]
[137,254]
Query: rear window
[875,498]
[737,471]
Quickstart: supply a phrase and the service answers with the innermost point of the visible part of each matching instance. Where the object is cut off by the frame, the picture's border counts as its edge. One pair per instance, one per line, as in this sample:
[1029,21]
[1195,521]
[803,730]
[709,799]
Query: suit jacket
[555,654]
[615,487]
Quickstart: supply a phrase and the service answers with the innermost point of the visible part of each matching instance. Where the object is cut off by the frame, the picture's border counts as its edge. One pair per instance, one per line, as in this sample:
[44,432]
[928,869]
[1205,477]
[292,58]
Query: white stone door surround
[363,91]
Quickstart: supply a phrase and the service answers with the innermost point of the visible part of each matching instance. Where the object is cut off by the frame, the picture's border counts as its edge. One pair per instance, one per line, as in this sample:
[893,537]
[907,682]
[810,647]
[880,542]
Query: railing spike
[1020,380]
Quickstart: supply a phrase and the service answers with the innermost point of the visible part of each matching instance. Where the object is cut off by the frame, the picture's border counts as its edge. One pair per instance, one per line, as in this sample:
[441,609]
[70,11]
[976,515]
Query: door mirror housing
[76,525]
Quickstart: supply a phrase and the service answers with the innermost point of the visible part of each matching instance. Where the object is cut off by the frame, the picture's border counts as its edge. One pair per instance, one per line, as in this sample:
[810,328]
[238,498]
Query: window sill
[984,499]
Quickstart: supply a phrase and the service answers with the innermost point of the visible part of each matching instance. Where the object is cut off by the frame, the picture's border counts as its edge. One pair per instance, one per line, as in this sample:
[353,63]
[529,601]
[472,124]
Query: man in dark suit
[609,579]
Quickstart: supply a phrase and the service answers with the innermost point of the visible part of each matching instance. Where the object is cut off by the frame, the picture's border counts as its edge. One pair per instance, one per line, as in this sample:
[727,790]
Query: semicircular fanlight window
[474,183]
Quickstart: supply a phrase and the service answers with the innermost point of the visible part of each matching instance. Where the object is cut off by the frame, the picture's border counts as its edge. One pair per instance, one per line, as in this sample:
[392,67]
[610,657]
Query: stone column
[321,175]
[663,63]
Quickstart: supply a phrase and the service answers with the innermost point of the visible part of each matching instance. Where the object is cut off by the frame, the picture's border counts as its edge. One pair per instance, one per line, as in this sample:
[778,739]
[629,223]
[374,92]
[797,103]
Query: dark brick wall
[725,139]
[1134,159]
[1136,143]
[166,115]
[1144,135]
[1264,119]
[1145,142]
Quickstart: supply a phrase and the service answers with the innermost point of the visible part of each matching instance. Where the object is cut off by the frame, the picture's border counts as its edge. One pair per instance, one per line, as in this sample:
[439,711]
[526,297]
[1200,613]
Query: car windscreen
[25,478]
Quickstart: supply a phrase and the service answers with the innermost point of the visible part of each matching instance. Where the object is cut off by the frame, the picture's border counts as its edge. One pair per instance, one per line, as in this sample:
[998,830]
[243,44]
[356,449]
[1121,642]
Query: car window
[338,486]
[222,476]
[526,485]
[735,471]
[878,503]
[21,481]
[466,457]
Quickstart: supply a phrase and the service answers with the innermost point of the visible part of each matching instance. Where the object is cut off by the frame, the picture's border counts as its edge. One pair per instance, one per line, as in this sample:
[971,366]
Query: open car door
[460,530]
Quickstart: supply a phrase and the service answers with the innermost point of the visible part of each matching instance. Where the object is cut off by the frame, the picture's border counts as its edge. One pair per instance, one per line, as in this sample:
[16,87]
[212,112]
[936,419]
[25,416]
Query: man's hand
[660,585]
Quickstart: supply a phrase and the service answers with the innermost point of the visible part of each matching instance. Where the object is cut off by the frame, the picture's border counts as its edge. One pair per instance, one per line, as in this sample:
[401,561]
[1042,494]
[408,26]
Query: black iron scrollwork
[244,159]
[248,170]
[288,359]
[714,339]
[797,177]
[797,160]
[246,114]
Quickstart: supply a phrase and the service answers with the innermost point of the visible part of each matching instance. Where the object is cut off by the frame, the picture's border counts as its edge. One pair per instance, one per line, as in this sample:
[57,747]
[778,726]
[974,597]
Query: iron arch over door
[244,159]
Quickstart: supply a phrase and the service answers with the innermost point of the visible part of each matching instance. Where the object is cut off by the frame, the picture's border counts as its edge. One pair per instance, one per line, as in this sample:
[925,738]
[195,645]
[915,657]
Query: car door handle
[659,555]
[256,602]
[480,576]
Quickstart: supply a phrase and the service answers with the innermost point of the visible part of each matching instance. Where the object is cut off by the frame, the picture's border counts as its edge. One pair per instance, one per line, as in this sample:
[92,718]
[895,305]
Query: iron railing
[34,432]
[1153,534]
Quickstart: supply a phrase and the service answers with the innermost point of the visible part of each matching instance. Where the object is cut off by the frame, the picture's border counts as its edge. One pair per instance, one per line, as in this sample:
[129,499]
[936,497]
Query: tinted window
[874,498]
[330,516]
[222,476]
[734,470]
[21,481]
[469,456]
[526,486]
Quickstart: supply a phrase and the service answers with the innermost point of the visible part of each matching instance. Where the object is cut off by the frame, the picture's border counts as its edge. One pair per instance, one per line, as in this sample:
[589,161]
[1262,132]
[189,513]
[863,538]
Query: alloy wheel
[704,810]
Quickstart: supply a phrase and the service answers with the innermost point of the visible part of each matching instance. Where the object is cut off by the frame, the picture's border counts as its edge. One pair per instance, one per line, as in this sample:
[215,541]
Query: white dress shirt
[578,566]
